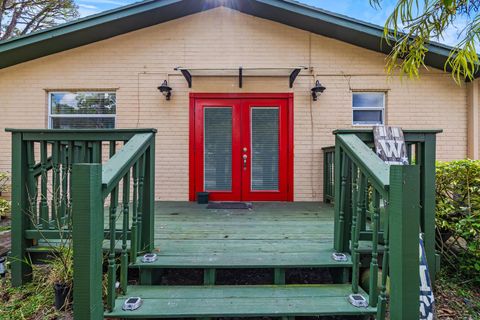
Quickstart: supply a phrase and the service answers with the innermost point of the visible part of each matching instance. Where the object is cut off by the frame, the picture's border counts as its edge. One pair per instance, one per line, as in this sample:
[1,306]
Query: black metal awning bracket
[240,77]
[294,75]
[188,77]
[186,74]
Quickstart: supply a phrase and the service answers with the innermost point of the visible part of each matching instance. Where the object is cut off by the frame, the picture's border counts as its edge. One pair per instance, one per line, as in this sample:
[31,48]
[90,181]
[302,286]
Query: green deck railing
[62,195]
[385,205]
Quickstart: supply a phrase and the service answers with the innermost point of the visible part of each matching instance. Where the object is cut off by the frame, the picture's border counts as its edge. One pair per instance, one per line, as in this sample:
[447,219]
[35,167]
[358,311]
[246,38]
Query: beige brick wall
[136,63]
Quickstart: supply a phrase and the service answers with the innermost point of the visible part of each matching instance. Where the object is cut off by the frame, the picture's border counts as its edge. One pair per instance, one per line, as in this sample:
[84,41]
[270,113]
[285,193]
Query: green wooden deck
[272,234]
[275,236]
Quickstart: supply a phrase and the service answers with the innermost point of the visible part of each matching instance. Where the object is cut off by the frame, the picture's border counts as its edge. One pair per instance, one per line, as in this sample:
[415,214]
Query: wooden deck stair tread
[245,259]
[246,301]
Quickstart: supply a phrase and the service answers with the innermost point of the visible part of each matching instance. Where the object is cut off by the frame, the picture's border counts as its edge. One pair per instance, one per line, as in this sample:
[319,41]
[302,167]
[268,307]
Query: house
[125,54]
[228,86]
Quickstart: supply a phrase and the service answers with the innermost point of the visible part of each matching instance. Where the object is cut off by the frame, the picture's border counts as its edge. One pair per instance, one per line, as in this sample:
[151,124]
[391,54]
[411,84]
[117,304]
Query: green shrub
[4,207]
[458,215]
[4,182]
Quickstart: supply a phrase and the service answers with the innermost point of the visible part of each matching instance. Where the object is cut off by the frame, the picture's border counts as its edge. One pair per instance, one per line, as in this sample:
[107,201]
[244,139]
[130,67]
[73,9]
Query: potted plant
[61,276]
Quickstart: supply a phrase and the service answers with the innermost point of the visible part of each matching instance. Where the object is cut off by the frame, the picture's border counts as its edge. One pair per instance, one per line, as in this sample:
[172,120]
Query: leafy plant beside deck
[458,216]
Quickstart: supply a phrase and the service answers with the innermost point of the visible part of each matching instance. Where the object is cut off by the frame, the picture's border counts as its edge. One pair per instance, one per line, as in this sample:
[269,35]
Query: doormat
[229,205]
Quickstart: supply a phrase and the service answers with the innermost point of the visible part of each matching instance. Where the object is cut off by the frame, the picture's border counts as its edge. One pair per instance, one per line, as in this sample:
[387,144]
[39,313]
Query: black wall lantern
[318,89]
[165,90]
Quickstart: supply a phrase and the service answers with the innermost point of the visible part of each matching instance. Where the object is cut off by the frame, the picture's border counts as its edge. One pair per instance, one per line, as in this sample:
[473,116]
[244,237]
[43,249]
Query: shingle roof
[150,12]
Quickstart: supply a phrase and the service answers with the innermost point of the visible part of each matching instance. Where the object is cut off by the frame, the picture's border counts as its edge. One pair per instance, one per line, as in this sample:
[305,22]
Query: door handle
[245,157]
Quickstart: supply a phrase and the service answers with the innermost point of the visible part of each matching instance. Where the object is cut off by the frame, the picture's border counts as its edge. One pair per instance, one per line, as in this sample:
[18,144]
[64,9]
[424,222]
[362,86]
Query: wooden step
[321,258]
[240,301]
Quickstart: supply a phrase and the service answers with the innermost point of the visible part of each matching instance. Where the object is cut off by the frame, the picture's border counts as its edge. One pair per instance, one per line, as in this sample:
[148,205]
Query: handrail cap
[346,131]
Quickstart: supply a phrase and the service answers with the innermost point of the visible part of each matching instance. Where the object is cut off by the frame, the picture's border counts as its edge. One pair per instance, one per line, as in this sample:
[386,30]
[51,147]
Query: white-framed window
[81,110]
[368,108]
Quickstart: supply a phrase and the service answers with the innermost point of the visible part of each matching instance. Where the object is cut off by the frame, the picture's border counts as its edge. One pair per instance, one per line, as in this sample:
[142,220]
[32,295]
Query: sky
[358,9]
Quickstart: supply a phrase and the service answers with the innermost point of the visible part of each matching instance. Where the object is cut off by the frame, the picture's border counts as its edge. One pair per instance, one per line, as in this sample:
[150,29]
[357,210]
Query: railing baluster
[111,256]
[373,285]
[89,152]
[76,152]
[365,204]
[64,183]
[356,226]
[55,207]
[343,191]
[32,189]
[84,151]
[330,173]
[44,219]
[355,205]
[382,299]
[354,191]
[148,212]
[134,235]
[69,177]
[141,179]
[96,156]
[126,206]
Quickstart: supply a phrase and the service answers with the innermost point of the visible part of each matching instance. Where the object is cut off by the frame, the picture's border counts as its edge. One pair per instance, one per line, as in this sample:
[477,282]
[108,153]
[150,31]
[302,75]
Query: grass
[456,297]
[34,300]
[4,228]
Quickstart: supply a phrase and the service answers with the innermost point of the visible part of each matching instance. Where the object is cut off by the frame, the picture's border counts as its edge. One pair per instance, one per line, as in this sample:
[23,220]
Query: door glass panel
[218,149]
[265,148]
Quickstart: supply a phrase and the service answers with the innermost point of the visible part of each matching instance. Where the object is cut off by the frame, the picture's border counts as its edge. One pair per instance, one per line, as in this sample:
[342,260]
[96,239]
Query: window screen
[82,110]
[217,149]
[265,148]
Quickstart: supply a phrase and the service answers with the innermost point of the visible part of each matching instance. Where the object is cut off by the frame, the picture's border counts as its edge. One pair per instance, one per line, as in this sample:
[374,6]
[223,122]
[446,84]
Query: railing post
[404,221]
[326,176]
[87,236]
[426,159]
[21,270]
[148,215]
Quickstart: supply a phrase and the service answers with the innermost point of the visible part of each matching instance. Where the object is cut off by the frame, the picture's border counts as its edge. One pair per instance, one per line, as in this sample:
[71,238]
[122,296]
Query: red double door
[242,148]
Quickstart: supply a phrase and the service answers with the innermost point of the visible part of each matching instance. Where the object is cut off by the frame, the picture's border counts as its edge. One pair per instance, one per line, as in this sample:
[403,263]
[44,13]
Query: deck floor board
[271,234]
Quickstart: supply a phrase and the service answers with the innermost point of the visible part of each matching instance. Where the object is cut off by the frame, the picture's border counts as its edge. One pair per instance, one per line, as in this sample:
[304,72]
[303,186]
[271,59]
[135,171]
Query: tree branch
[19,17]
